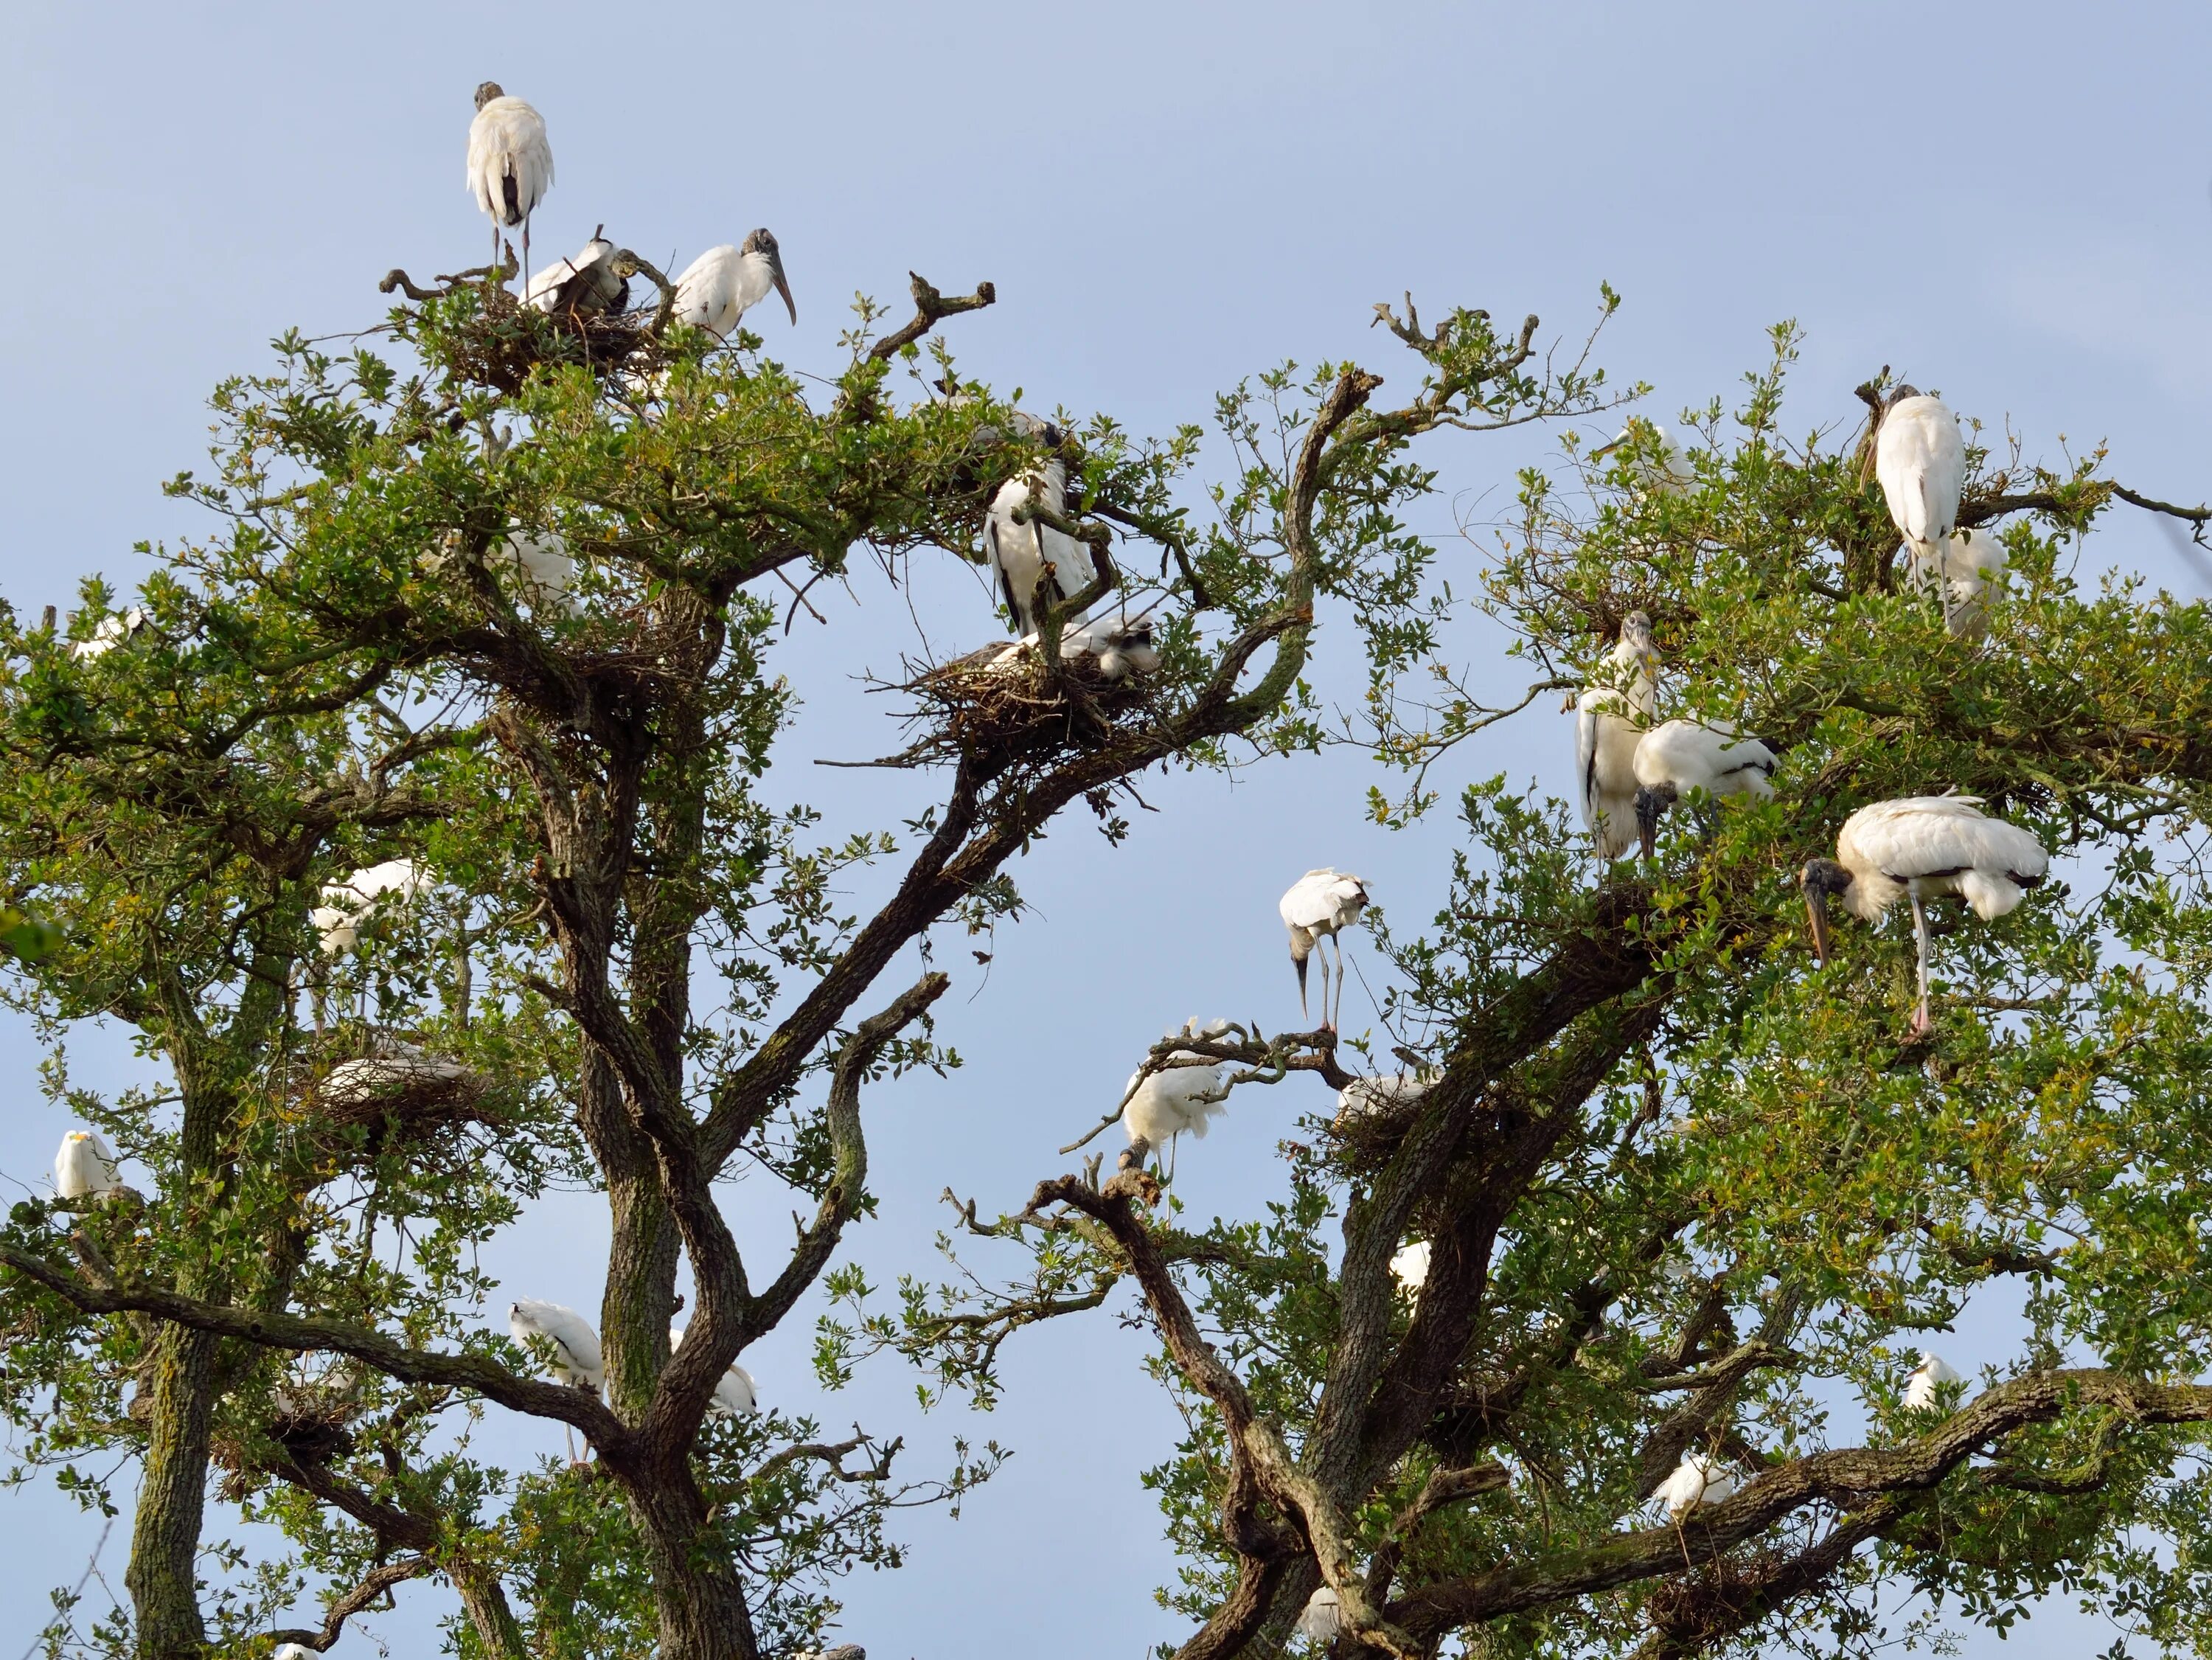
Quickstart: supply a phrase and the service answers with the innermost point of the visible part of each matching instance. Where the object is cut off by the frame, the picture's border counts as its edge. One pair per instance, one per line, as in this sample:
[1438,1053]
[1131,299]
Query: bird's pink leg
[1921,1023]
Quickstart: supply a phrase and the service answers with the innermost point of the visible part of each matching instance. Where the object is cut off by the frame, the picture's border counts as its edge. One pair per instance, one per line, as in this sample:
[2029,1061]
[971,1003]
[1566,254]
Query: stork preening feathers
[1678,757]
[1923,1388]
[564,1336]
[1921,461]
[1319,907]
[1609,722]
[1189,1097]
[1019,552]
[510,162]
[722,284]
[1919,848]
[1322,1617]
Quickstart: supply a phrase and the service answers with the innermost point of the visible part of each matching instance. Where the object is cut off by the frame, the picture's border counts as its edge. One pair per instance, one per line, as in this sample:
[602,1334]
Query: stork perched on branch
[510,163]
[1678,757]
[1921,461]
[1609,723]
[722,284]
[1320,906]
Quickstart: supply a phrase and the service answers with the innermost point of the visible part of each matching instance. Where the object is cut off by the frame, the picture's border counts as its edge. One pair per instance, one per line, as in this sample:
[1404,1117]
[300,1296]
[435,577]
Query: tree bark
[165,1534]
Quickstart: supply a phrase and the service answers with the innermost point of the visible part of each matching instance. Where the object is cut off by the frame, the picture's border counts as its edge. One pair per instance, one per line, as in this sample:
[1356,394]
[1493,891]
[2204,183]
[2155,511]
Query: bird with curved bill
[1320,906]
[722,284]
[1919,848]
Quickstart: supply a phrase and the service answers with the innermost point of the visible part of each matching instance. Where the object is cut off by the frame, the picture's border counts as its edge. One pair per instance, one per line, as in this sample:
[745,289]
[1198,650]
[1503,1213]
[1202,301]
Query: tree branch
[930,308]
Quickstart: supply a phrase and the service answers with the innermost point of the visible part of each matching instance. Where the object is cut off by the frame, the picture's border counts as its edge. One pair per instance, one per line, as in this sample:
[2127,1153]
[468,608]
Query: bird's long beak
[1816,918]
[1647,821]
[775,276]
[1604,450]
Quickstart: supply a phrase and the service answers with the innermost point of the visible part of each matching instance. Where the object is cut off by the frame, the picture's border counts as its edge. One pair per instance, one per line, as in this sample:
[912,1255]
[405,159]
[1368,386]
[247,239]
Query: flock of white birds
[1629,768]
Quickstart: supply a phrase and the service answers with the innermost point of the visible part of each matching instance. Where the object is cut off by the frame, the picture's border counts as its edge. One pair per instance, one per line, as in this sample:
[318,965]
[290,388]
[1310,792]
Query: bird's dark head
[1823,880]
[1904,390]
[1651,804]
[487,92]
[763,242]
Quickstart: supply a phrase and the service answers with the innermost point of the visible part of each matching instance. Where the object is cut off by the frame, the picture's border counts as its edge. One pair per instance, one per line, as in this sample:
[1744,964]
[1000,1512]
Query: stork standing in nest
[722,284]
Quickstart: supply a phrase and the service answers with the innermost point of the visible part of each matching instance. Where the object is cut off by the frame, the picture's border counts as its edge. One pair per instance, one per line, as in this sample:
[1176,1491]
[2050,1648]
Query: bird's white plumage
[1927,845]
[1921,461]
[539,561]
[721,285]
[1322,1617]
[510,160]
[1706,755]
[111,632]
[1366,1095]
[1409,1267]
[292,1652]
[1927,1377]
[1696,1482]
[1181,1100]
[1960,568]
[373,1077]
[1609,723]
[734,1393]
[545,286]
[1323,901]
[85,1166]
[575,1344]
[348,905]
[1117,646]
[1667,472]
[1019,553]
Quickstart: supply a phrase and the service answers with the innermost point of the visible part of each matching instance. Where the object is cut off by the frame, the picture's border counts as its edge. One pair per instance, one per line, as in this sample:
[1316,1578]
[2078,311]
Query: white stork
[722,284]
[1963,566]
[348,905]
[734,1392]
[540,561]
[291,1651]
[1667,472]
[1320,906]
[1609,721]
[1167,1103]
[543,291]
[1118,646]
[1698,1481]
[1322,1617]
[1917,849]
[85,1167]
[1678,757]
[1927,1379]
[575,1357]
[112,632]
[1409,1267]
[1921,461]
[1018,552]
[510,162]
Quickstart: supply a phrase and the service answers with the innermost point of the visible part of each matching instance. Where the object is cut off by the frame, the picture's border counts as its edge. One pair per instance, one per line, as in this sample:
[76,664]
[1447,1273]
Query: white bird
[348,905]
[85,1167]
[1678,757]
[734,1393]
[1320,906]
[1118,646]
[722,284]
[1019,553]
[1668,473]
[1698,1481]
[1932,1372]
[1609,722]
[1963,566]
[1409,1266]
[540,562]
[1921,461]
[543,290]
[1322,1617]
[292,1652]
[1917,849]
[576,1358]
[112,632]
[1166,1103]
[510,162]
[1365,1094]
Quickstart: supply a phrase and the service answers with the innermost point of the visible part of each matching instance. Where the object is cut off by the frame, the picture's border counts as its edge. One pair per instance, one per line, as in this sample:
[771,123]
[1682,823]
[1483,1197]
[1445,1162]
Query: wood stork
[291,1651]
[1019,553]
[1966,563]
[539,560]
[1609,721]
[85,1167]
[575,1347]
[1917,849]
[348,905]
[1658,465]
[587,282]
[722,284]
[733,1393]
[1320,906]
[1921,461]
[112,632]
[1921,1389]
[1167,1103]
[1322,1617]
[1698,1481]
[1678,757]
[510,163]
[1409,1267]
[1365,1094]
[1117,647]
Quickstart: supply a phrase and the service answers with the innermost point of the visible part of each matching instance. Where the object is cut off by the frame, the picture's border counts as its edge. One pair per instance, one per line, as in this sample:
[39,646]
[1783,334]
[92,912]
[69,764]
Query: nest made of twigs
[509,339]
[396,1092]
[1010,703]
[1372,1118]
[1713,1597]
[307,1435]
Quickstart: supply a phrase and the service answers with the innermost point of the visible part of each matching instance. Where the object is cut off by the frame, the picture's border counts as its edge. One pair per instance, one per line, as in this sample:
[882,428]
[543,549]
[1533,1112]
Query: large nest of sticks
[307,1435]
[1005,702]
[396,1092]
[1372,1118]
[1690,1607]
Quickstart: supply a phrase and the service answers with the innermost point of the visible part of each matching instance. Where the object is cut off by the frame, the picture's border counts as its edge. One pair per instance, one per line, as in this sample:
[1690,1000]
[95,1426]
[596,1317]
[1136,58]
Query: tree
[1682,1193]
[500,603]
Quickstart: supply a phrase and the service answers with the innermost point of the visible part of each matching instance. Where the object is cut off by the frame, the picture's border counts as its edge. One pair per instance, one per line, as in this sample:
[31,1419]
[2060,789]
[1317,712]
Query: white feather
[1698,1481]
[1704,755]
[575,1344]
[1962,567]
[111,632]
[1322,903]
[1182,1100]
[348,905]
[85,1166]
[1921,461]
[735,1393]
[545,285]
[506,141]
[1609,721]
[1018,552]
[1936,844]
[1671,473]
[721,286]
[1927,1377]
[1366,1095]
[1410,1266]
[1322,1617]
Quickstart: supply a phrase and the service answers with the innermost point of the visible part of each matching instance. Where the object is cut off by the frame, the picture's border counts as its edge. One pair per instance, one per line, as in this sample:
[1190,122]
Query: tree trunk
[165,1536]
[700,1598]
[484,1600]
[640,1292]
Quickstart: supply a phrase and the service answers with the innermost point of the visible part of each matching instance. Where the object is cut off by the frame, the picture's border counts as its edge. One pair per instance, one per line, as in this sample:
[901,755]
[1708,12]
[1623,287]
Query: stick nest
[500,347]
[395,1091]
[989,705]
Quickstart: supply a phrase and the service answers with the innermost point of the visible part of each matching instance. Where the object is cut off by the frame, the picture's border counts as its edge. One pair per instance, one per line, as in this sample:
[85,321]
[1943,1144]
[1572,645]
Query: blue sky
[2008,203]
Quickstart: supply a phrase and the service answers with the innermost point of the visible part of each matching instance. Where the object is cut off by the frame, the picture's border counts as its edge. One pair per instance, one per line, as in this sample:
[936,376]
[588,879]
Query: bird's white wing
[1586,738]
[1932,835]
[707,290]
[1319,899]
